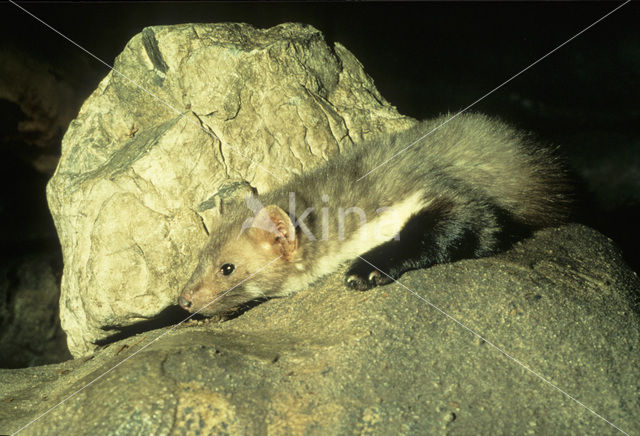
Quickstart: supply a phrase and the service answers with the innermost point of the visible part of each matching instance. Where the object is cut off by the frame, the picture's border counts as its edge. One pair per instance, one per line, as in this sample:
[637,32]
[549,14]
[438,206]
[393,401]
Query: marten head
[242,263]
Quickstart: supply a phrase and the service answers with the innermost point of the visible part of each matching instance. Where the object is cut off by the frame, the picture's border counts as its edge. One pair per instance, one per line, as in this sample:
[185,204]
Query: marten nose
[184,302]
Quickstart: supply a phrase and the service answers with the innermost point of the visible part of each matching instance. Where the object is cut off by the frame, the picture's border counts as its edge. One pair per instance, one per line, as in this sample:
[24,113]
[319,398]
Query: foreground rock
[225,109]
[330,361]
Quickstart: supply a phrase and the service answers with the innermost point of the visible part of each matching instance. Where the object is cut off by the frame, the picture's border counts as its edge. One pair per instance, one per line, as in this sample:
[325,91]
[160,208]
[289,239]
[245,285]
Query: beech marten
[464,190]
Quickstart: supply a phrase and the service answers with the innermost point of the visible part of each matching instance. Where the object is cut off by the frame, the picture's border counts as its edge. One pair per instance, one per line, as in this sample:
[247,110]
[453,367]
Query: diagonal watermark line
[417,295]
[143,347]
[494,90]
[233,149]
[470,330]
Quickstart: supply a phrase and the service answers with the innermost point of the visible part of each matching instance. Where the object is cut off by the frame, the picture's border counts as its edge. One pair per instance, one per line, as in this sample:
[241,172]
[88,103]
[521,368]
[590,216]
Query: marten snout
[184,303]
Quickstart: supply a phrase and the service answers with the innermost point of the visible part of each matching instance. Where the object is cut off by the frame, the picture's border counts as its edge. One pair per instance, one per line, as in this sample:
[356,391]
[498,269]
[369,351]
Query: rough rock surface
[222,109]
[333,361]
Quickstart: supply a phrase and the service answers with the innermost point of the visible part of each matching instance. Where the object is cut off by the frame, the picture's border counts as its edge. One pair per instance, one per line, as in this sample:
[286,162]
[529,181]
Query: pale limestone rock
[195,113]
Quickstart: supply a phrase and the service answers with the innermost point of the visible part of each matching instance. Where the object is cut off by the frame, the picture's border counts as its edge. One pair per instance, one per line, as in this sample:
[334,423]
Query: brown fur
[477,167]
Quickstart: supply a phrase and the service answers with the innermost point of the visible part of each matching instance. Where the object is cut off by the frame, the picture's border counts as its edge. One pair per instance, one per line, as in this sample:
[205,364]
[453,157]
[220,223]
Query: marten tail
[508,167]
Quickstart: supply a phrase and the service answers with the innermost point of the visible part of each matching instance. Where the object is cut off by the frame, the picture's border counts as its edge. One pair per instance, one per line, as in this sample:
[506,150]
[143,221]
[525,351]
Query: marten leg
[445,231]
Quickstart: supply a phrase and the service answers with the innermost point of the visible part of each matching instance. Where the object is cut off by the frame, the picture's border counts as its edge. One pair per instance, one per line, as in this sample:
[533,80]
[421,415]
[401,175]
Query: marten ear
[273,230]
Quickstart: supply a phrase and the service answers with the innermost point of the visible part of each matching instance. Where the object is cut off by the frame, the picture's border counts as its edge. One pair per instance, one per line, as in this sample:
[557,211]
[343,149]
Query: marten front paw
[362,276]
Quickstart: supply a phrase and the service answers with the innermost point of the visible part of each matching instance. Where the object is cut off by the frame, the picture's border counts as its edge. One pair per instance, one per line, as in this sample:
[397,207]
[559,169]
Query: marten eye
[227,268]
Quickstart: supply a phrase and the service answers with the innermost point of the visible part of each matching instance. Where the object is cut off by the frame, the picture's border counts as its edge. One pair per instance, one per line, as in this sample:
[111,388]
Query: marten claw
[356,279]
[356,282]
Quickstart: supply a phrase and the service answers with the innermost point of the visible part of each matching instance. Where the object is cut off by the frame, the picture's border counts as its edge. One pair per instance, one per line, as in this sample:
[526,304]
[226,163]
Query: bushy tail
[517,174]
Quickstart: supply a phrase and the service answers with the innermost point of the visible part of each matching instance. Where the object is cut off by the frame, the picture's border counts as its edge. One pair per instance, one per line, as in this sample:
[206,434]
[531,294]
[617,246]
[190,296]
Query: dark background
[426,59]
